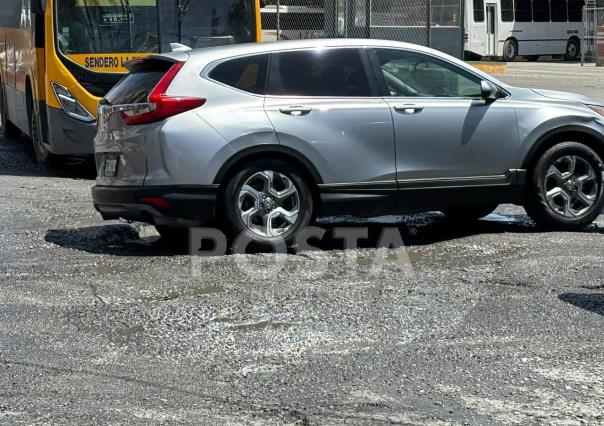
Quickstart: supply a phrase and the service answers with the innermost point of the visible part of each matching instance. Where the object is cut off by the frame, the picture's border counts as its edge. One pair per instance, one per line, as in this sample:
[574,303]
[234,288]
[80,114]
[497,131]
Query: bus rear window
[136,86]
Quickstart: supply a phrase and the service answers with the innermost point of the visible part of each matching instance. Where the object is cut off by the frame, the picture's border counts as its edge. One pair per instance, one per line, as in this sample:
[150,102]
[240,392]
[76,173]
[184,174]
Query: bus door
[491,9]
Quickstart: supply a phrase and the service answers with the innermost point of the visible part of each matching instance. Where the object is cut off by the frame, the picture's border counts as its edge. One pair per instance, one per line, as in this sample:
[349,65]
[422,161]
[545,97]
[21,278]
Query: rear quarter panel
[196,144]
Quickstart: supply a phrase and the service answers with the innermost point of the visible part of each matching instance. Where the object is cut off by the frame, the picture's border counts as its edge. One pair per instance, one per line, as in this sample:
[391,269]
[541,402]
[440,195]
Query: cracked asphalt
[101,323]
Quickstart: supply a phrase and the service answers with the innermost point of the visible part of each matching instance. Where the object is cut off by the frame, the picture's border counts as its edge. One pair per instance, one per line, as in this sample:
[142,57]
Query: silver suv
[263,138]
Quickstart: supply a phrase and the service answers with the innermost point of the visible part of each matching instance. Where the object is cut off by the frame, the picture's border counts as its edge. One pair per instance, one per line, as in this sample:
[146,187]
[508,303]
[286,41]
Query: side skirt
[415,195]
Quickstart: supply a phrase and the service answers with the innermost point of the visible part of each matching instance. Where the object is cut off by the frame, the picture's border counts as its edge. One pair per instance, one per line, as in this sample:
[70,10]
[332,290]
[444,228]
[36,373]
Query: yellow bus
[58,58]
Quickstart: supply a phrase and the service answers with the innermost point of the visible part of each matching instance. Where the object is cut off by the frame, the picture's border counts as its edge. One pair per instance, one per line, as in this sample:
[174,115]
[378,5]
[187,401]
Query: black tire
[573,50]
[537,206]
[7,128]
[43,155]
[510,50]
[532,58]
[469,213]
[231,218]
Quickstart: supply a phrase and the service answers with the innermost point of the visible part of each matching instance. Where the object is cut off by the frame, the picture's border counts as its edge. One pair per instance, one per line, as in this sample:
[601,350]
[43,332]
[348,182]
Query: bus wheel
[43,155]
[510,50]
[573,50]
[8,129]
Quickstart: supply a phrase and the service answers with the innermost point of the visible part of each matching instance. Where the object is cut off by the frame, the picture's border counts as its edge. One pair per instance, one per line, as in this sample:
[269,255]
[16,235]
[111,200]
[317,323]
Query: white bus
[296,19]
[509,28]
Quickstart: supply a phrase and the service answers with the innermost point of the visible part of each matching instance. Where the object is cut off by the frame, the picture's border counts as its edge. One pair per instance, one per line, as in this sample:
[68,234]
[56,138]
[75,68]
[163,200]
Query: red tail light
[155,201]
[162,106]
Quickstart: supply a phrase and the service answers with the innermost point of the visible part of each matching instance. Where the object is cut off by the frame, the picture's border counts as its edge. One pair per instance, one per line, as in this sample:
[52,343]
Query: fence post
[429,24]
[278,19]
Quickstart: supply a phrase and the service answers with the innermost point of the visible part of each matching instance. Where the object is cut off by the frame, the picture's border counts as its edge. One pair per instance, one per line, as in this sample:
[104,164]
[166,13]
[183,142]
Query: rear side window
[136,86]
[324,72]
[247,74]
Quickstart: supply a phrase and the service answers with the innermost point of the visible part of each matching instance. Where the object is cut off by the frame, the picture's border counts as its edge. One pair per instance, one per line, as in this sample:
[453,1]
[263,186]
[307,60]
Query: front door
[446,135]
[491,29]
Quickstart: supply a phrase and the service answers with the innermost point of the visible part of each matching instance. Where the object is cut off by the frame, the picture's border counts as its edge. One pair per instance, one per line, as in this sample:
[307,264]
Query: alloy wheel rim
[269,204]
[571,51]
[571,186]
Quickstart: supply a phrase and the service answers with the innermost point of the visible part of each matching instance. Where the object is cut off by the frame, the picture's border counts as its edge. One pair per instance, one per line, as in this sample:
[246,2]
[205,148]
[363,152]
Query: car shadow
[415,230]
[18,159]
[592,302]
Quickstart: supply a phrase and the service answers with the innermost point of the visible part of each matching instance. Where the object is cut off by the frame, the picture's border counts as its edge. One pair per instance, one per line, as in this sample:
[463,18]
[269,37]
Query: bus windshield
[131,26]
[203,23]
[107,26]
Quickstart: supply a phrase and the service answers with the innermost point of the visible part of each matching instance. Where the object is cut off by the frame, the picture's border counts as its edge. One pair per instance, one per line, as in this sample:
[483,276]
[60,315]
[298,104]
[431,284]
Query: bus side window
[478,10]
[541,11]
[559,11]
[507,10]
[524,11]
[575,10]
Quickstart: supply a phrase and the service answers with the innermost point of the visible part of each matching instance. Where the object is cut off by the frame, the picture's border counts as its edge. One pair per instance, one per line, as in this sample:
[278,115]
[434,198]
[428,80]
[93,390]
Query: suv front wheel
[565,190]
[268,201]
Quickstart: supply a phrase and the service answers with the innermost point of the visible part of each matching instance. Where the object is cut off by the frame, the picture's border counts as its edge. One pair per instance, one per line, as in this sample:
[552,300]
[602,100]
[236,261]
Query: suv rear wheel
[566,187]
[268,201]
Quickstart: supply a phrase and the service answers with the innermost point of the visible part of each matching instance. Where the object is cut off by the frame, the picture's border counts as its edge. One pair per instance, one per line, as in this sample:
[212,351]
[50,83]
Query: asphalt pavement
[101,323]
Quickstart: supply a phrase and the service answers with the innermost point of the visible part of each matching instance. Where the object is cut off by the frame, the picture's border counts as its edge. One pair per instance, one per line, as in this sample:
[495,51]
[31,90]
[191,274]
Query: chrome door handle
[296,111]
[409,108]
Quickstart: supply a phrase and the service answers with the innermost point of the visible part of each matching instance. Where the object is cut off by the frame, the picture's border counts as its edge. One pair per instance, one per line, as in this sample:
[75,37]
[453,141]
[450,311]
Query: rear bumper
[181,205]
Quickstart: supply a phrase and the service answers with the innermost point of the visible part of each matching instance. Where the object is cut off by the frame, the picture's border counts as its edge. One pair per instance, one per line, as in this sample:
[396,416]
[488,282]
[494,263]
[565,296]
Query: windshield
[106,26]
[203,23]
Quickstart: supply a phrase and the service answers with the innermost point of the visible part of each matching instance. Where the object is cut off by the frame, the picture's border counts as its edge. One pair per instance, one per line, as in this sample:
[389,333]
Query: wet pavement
[492,323]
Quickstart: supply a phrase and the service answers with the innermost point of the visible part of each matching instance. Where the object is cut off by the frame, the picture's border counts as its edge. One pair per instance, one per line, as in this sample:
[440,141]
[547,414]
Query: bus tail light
[160,105]
[70,104]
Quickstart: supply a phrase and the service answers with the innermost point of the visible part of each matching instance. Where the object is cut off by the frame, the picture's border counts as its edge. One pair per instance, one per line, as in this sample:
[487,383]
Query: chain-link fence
[436,23]
[593,39]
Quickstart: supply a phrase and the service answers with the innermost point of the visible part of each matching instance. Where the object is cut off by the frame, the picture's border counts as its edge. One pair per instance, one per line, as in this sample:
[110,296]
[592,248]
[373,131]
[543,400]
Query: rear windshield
[136,86]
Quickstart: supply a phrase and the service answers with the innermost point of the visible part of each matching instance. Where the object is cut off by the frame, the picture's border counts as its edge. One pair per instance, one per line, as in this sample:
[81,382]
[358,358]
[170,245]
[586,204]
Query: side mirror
[38,7]
[488,91]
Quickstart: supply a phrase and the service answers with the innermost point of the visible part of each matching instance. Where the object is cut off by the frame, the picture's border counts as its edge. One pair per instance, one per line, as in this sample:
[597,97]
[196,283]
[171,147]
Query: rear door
[322,104]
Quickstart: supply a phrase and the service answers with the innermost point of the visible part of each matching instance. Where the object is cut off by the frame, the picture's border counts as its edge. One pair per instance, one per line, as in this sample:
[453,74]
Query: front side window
[409,74]
[318,72]
[106,26]
[247,74]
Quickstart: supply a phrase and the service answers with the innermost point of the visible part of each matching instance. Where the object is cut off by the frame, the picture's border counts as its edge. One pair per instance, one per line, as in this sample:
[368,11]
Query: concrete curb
[491,68]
